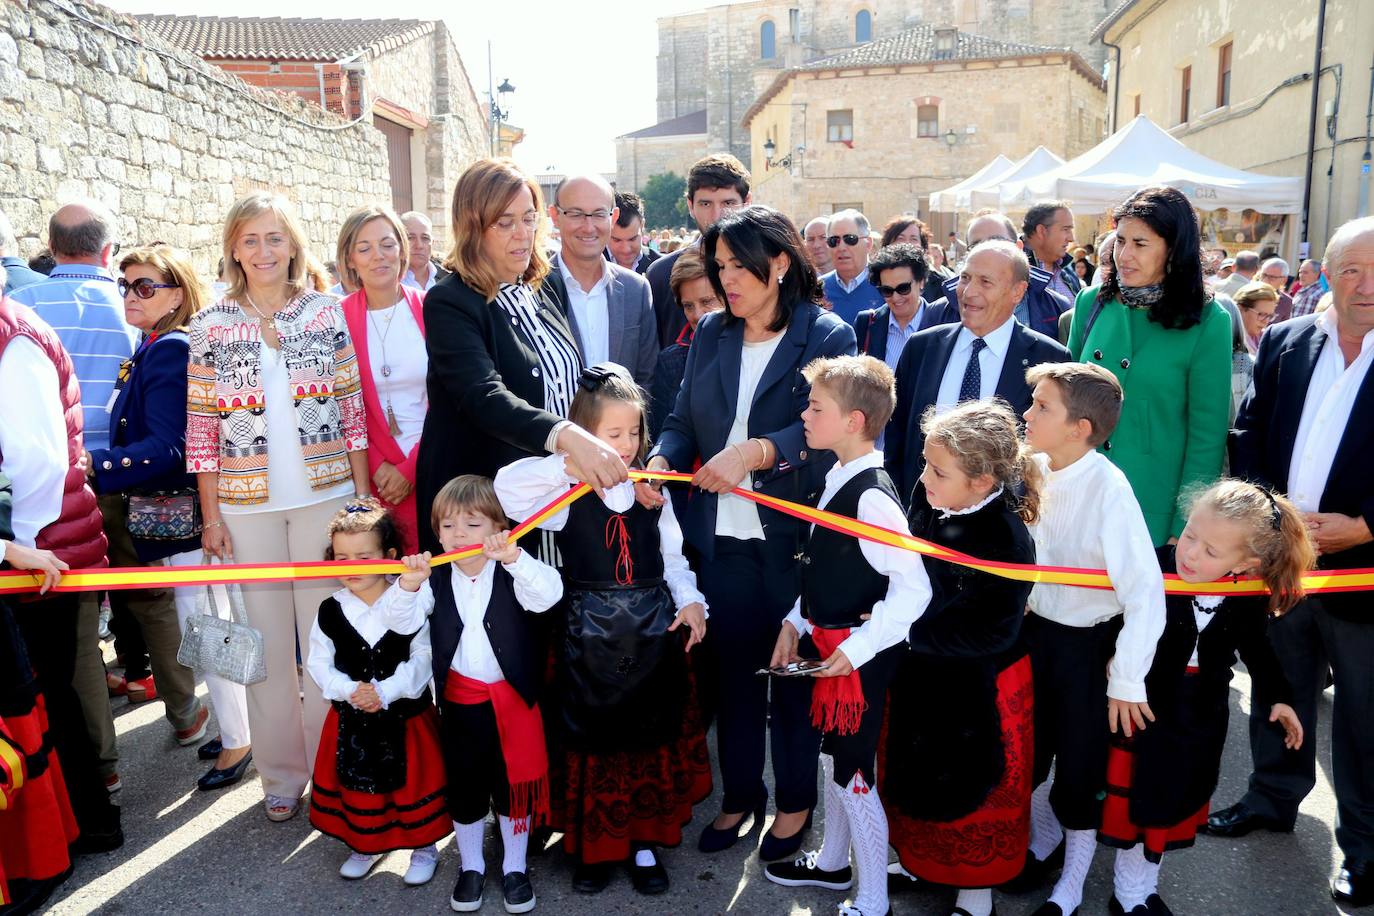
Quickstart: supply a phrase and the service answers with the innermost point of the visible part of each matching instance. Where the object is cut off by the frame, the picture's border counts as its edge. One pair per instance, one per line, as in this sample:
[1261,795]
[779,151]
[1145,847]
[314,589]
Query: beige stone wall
[164,139]
[889,169]
[637,159]
[405,75]
[1264,128]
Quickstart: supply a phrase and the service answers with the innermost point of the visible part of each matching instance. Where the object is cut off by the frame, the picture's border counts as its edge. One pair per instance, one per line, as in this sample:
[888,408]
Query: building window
[1224,75]
[847,205]
[863,27]
[927,120]
[1185,95]
[839,125]
[768,40]
[946,42]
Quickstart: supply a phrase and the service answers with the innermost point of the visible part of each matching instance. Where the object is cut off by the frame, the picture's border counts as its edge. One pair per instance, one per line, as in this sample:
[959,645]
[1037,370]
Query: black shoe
[591,879]
[1049,908]
[649,879]
[802,872]
[960,911]
[90,843]
[1353,884]
[467,893]
[900,882]
[215,778]
[210,749]
[1238,820]
[517,892]
[1117,908]
[715,840]
[1035,874]
[1155,906]
[773,848]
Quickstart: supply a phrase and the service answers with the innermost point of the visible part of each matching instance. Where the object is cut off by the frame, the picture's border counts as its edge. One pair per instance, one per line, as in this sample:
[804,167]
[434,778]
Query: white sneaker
[422,865]
[357,865]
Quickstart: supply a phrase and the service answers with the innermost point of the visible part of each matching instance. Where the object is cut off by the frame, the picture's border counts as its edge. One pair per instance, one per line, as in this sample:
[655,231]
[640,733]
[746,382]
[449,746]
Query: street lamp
[769,148]
[951,138]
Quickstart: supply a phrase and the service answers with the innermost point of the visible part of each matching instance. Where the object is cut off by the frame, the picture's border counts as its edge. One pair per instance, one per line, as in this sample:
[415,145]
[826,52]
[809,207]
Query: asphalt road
[216,853]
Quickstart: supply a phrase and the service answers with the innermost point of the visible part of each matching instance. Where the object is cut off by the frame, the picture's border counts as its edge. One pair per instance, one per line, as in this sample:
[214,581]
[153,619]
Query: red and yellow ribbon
[11,582]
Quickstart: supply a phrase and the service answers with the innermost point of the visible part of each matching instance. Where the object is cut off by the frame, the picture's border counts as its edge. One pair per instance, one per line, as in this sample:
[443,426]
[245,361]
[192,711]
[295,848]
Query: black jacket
[669,315]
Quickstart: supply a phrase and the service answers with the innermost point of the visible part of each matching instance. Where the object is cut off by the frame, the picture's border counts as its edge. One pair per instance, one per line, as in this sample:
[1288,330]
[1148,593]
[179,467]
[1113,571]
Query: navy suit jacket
[1261,444]
[705,411]
[870,331]
[919,372]
[670,319]
[1045,305]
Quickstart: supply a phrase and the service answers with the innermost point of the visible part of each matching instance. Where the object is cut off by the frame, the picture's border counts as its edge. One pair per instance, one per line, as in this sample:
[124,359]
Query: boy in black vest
[487,670]
[858,601]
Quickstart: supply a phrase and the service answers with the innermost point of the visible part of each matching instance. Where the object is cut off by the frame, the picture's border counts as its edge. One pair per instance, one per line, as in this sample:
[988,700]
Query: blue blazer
[919,372]
[705,411]
[870,331]
[1045,305]
[1261,444]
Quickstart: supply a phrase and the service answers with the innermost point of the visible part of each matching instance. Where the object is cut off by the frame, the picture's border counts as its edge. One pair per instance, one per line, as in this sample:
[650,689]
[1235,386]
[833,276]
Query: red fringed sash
[521,729]
[837,703]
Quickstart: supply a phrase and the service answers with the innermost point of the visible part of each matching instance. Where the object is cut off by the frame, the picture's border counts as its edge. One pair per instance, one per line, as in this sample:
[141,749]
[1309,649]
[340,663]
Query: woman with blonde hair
[504,364]
[277,437]
[386,321]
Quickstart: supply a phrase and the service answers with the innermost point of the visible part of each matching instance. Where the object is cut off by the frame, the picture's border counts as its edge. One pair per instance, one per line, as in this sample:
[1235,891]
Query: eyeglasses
[578,216]
[507,224]
[901,289]
[1261,317]
[851,240]
[143,287]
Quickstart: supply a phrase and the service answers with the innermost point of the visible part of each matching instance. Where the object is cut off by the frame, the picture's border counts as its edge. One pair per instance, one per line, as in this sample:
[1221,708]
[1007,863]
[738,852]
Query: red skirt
[409,818]
[606,803]
[1117,829]
[37,825]
[987,847]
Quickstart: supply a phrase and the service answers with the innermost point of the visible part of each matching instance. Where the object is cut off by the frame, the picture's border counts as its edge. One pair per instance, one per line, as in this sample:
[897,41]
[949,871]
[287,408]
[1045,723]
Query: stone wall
[90,106]
[638,159]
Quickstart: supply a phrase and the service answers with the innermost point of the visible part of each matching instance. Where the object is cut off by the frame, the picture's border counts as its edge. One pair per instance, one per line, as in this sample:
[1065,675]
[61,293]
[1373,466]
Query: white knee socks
[515,843]
[834,853]
[1134,877]
[469,840]
[1079,846]
[868,836]
[1046,831]
[975,902]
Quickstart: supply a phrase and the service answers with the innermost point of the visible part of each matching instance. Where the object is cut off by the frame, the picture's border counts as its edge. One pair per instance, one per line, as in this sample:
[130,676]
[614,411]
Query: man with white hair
[1315,446]
[17,272]
[421,271]
[846,286]
[814,237]
[1275,272]
[985,355]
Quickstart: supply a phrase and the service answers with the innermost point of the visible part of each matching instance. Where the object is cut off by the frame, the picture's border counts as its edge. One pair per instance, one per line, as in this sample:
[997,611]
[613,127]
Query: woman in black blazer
[739,410]
[503,364]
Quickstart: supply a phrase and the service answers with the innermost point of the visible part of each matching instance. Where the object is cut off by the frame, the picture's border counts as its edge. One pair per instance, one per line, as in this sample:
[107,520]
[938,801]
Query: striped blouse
[226,422]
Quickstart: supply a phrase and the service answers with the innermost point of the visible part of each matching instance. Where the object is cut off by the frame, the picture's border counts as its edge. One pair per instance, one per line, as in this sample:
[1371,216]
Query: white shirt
[538,587]
[591,312]
[908,588]
[990,361]
[1090,519]
[410,677]
[737,517]
[394,339]
[850,285]
[409,280]
[528,485]
[1326,410]
[33,439]
[1203,619]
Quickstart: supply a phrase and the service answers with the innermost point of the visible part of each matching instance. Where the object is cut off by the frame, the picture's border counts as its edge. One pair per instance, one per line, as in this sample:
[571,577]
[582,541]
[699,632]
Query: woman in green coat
[1155,326]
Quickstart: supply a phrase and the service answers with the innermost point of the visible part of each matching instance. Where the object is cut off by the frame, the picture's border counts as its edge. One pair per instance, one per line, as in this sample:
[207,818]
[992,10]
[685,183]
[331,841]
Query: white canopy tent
[1142,154]
[1037,162]
[950,199]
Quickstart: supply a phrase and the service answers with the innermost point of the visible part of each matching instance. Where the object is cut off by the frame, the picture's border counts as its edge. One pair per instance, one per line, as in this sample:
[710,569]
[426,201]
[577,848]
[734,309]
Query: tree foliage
[665,206]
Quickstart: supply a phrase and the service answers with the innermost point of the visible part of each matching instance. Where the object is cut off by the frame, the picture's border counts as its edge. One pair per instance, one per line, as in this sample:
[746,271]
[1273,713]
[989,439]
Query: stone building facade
[668,146]
[880,127]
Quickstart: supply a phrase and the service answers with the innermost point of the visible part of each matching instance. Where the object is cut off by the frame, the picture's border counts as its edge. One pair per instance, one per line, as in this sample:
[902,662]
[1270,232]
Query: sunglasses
[143,287]
[851,240]
[901,289]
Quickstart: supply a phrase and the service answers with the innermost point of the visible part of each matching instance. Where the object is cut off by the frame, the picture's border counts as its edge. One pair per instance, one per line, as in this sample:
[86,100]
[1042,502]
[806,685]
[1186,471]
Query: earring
[780,276]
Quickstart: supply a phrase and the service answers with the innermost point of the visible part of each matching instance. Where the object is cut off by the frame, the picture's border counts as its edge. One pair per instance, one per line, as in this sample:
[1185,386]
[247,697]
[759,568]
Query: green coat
[1174,420]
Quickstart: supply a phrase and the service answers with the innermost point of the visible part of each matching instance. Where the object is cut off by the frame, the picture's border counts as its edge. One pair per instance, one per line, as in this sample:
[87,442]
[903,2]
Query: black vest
[595,543]
[837,584]
[356,659]
[516,637]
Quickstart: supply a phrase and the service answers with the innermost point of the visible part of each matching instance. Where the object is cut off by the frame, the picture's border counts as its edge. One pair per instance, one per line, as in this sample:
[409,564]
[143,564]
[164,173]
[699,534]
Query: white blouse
[737,517]
[407,682]
[394,341]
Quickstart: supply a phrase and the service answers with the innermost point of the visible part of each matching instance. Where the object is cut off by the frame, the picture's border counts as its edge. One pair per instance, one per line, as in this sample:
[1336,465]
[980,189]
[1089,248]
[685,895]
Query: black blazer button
[1097,354]
[1125,364]
[1107,446]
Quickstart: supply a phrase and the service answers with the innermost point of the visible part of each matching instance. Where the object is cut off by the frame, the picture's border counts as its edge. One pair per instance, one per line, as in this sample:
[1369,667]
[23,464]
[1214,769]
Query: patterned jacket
[226,421]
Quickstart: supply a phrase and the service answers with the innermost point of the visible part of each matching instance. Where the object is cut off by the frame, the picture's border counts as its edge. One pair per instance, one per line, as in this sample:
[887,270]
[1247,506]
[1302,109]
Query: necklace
[392,426]
[267,324]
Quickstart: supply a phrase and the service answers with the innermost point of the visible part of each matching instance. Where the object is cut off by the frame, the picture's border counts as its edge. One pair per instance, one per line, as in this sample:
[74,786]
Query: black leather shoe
[1035,874]
[467,893]
[215,778]
[1238,820]
[774,847]
[649,879]
[89,843]
[210,749]
[713,839]
[517,892]
[1116,908]
[591,879]
[1353,884]
[1155,906]
[1048,908]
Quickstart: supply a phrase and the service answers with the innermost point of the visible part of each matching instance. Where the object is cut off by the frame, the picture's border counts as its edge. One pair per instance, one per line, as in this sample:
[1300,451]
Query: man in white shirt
[421,272]
[1309,431]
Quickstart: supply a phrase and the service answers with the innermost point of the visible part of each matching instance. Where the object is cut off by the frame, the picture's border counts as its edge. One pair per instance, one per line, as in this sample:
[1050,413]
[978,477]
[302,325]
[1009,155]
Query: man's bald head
[990,226]
[83,230]
[576,183]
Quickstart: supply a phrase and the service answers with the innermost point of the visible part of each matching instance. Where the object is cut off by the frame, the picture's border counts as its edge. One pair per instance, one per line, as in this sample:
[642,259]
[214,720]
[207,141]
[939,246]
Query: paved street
[193,852]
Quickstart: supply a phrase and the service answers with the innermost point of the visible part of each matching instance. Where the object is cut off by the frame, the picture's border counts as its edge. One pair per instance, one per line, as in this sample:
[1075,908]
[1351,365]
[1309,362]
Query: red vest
[78,535]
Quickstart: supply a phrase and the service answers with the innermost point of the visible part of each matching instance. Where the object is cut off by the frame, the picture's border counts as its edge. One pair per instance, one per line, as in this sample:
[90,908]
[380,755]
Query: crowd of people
[1010,396]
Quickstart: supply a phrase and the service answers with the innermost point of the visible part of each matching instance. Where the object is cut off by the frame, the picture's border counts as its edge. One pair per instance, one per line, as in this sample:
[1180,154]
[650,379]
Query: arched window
[863,27]
[768,40]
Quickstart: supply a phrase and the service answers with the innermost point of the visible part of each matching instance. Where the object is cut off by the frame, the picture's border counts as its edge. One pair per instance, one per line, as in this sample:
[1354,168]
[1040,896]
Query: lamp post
[769,148]
[496,101]
[951,138]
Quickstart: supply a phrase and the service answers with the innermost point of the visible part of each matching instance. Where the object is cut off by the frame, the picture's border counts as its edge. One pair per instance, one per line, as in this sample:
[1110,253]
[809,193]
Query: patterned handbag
[163,515]
[229,648]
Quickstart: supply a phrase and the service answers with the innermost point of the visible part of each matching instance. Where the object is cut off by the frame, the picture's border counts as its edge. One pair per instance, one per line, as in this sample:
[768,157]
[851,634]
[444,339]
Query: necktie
[970,389]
